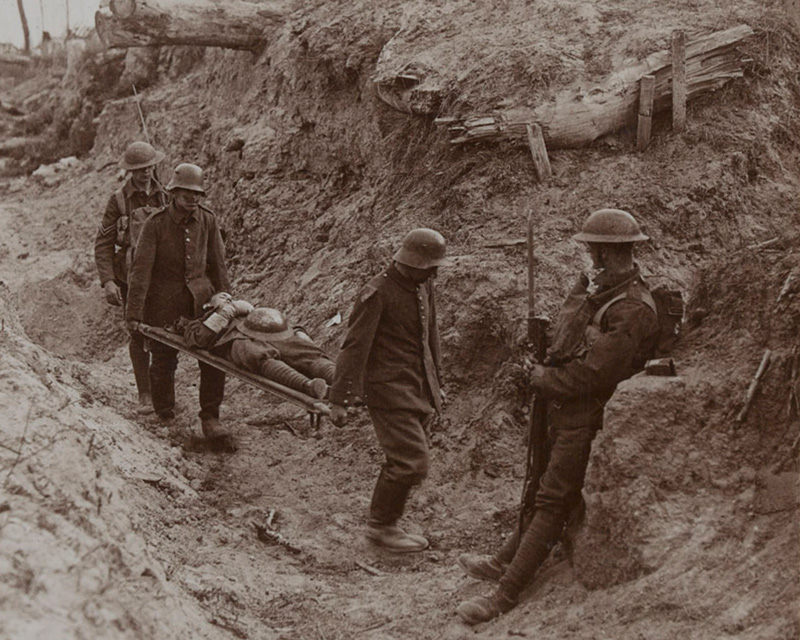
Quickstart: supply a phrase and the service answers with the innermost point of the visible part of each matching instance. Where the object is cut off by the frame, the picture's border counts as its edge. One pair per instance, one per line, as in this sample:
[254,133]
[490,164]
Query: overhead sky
[50,15]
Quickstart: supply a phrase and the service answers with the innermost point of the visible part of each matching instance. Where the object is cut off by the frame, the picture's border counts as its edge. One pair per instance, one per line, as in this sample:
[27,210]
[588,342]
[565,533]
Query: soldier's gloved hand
[338,415]
[243,307]
[536,377]
[133,326]
[113,293]
[218,300]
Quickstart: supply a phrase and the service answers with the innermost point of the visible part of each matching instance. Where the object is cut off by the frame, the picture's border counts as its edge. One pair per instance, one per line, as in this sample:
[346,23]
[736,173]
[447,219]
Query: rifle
[538,454]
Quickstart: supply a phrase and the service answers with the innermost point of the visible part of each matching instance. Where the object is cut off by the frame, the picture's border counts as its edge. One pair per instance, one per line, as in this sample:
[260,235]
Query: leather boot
[145,406]
[394,539]
[317,388]
[482,609]
[387,505]
[219,438]
[482,567]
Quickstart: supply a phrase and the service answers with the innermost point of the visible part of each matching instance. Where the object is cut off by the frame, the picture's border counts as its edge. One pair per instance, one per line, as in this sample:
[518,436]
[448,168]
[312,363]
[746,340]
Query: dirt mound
[69,543]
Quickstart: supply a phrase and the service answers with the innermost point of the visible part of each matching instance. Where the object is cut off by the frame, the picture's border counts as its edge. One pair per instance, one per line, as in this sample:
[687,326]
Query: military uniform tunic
[109,259]
[391,355]
[179,264]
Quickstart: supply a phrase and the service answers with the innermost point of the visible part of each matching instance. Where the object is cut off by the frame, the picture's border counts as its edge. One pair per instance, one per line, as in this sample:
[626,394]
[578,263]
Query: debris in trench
[337,319]
[368,568]
[266,533]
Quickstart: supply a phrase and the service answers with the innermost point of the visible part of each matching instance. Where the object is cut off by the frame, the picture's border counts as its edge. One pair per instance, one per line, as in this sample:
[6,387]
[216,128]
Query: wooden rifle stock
[538,453]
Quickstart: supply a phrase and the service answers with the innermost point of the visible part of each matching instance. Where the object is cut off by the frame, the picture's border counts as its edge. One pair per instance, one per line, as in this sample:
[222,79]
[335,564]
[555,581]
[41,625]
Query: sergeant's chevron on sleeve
[104,231]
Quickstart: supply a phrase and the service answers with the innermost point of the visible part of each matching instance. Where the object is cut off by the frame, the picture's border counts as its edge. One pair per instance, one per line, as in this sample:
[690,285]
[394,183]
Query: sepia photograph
[399,320]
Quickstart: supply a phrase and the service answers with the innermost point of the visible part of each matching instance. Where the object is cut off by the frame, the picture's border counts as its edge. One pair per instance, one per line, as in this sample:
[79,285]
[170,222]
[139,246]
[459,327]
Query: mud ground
[114,526]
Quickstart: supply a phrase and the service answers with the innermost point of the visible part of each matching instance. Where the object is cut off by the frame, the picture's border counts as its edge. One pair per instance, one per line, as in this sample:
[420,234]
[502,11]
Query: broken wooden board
[575,118]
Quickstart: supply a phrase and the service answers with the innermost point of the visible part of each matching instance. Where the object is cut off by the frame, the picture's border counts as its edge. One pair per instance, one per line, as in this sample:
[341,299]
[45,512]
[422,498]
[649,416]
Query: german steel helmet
[423,249]
[187,176]
[139,155]
[266,323]
[610,225]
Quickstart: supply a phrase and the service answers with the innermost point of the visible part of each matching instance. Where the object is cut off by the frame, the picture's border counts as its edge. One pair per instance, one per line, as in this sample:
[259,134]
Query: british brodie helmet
[610,225]
[423,249]
[139,155]
[266,323]
[187,176]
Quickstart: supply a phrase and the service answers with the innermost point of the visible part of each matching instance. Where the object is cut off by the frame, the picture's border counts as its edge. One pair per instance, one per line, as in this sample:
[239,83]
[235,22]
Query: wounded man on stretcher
[260,340]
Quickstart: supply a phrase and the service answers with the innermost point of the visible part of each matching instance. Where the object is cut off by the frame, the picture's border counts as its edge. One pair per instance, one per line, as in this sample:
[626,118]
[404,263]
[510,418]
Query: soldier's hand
[218,300]
[443,397]
[338,415]
[113,293]
[133,326]
[536,376]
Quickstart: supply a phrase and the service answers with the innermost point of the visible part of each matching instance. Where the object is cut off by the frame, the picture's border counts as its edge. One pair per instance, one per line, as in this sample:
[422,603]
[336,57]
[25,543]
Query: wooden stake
[647,86]
[751,391]
[678,81]
[538,151]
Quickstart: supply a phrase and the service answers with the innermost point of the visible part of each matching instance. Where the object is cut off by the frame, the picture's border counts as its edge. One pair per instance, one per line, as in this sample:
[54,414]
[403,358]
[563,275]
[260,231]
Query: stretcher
[315,408]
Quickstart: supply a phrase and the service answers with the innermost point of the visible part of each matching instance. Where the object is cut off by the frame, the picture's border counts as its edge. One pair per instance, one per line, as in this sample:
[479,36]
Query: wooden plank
[539,152]
[312,405]
[647,86]
[678,81]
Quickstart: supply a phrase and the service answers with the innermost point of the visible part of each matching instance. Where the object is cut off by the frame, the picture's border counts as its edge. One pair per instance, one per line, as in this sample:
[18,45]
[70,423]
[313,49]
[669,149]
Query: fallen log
[16,59]
[575,118]
[233,24]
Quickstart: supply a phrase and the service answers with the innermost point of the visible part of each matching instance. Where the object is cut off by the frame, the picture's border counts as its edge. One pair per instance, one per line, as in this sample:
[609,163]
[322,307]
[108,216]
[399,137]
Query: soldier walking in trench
[140,195]
[605,332]
[178,266]
[390,358]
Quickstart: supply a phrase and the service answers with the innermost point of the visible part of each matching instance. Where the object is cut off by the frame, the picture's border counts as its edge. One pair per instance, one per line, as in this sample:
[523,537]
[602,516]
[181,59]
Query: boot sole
[470,620]
[422,546]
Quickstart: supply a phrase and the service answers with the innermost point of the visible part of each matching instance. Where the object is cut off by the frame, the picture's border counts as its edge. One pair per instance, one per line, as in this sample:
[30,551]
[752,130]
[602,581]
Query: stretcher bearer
[391,359]
[140,195]
[179,264]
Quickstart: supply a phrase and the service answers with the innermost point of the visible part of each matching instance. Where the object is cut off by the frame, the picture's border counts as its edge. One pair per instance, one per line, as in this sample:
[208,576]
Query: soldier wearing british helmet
[115,241]
[179,264]
[390,358]
[605,332]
